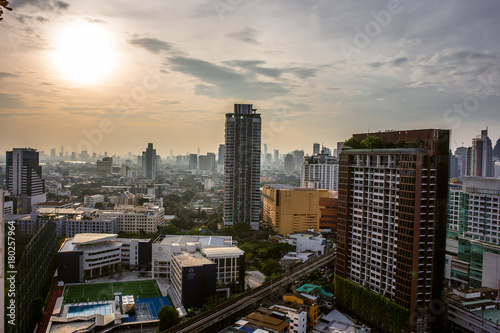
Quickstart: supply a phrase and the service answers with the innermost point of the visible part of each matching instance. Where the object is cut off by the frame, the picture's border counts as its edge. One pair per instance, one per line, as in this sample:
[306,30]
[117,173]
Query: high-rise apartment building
[242,166]
[320,171]
[461,155]
[480,157]
[276,156]
[193,161]
[149,163]
[287,209]
[392,220]
[24,179]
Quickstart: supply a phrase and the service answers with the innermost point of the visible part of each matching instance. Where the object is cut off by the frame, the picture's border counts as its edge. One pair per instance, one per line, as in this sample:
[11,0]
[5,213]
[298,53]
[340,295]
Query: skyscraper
[316,148]
[392,220]
[193,162]
[480,157]
[242,166]
[149,163]
[24,179]
[221,155]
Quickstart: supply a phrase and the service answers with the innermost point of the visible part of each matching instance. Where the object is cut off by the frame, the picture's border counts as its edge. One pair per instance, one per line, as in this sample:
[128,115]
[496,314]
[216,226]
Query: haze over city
[167,72]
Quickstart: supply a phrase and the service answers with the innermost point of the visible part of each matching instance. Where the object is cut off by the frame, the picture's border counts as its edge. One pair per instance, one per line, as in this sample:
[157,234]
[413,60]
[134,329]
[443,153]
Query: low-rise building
[87,256]
[91,200]
[135,252]
[308,241]
[148,218]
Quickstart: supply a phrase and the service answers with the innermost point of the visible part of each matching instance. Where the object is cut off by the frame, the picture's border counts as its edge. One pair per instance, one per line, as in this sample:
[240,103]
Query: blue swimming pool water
[89,309]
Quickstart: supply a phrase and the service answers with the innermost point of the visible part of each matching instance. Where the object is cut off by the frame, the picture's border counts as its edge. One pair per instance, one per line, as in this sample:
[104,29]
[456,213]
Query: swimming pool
[89,309]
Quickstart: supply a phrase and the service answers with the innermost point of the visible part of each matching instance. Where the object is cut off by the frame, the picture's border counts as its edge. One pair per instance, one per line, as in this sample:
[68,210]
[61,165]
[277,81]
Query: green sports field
[91,292]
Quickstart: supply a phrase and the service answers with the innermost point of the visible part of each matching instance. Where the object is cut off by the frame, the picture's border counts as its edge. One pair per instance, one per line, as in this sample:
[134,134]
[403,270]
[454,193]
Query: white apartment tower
[320,171]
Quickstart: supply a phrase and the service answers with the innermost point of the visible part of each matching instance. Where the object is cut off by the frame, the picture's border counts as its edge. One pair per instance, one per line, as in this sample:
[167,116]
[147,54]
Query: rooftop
[187,259]
[223,251]
[83,239]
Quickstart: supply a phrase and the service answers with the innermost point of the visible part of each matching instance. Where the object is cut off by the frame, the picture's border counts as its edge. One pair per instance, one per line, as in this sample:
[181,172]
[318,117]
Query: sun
[84,53]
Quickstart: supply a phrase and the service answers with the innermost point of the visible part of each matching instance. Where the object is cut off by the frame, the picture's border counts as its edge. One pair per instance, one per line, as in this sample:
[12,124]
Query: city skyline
[319,71]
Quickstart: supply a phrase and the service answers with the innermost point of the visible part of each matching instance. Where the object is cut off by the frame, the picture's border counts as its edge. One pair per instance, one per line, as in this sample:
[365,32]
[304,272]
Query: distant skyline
[100,77]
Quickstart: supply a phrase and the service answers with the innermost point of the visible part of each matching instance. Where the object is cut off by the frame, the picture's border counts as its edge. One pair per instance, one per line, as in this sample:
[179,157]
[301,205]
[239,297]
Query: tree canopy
[168,317]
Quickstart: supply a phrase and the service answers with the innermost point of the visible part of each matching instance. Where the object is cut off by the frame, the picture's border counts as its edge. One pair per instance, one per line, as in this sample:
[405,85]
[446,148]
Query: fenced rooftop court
[147,309]
[94,292]
[89,309]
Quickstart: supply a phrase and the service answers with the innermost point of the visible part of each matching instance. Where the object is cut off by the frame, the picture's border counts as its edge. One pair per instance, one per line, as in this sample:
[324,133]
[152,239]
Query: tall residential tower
[392,220]
[242,166]
[149,163]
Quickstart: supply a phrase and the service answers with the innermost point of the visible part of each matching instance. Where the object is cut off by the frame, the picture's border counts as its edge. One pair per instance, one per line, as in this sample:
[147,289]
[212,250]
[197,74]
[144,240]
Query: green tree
[271,267]
[168,317]
[372,142]
[352,143]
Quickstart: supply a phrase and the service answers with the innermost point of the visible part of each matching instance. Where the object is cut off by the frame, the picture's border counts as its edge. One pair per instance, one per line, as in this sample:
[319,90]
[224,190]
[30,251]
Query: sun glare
[84,53]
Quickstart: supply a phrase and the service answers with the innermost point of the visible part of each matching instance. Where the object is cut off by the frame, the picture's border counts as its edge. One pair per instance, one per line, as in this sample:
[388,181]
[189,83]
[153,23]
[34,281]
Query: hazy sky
[113,76]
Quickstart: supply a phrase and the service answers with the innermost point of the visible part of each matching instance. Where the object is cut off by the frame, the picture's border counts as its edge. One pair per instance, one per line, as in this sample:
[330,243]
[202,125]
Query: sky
[113,76]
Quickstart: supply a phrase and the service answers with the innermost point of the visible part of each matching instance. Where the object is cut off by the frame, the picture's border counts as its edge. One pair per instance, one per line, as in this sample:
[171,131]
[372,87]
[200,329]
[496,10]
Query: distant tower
[193,162]
[24,179]
[315,148]
[242,166]
[221,154]
[480,157]
[149,163]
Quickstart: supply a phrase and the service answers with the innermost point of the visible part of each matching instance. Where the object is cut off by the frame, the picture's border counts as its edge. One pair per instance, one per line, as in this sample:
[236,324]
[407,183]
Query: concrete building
[23,179]
[287,209]
[206,163]
[91,200]
[316,148]
[297,318]
[391,227]
[148,217]
[193,277]
[94,225]
[87,256]
[104,166]
[320,171]
[219,249]
[242,166]
[135,252]
[308,241]
[126,199]
[149,162]
[220,160]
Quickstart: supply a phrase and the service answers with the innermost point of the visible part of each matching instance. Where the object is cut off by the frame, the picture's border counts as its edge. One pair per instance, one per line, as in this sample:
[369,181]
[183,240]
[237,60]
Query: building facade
[104,166]
[24,179]
[391,220]
[242,166]
[288,210]
[473,233]
[320,171]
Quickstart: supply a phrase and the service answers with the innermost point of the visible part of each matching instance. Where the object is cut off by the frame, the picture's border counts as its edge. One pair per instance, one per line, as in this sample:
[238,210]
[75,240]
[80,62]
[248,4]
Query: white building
[94,224]
[298,318]
[337,322]
[135,252]
[86,256]
[91,200]
[134,219]
[218,249]
[320,172]
[308,241]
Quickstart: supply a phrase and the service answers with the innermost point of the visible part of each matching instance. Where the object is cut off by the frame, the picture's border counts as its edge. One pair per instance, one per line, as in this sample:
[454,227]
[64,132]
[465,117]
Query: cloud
[91,20]
[225,82]
[399,61]
[254,67]
[246,35]
[42,4]
[24,18]
[167,102]
[152,45]
[10,101]
[4,75]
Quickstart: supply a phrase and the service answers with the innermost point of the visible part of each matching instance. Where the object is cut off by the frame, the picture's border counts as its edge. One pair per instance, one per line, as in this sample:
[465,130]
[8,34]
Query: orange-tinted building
[329,210]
